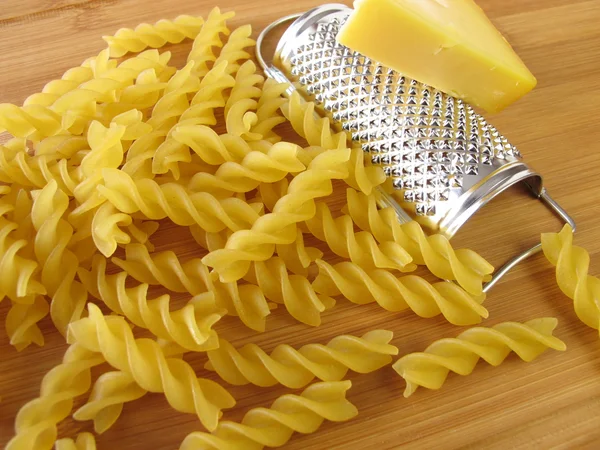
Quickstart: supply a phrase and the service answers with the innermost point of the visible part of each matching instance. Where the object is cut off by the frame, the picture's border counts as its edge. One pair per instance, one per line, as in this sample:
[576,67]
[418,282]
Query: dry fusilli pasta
[245,301]
[572,274]
[155,35]
[51,250]
[297,368]
[84,441]
[269,104]
[460,355]
[293,291]
[273,427]
[256,168]
[361,248]
[191,326]
[240,109]
[176,202]
[110,392]
[21,322]
[362,286]
[463,265]
[308,125]
[202,52]
[152,370]
[280,226]
[35,425]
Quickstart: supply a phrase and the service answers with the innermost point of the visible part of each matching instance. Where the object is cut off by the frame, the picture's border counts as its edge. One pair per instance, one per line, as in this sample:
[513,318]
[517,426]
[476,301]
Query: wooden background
[553,402]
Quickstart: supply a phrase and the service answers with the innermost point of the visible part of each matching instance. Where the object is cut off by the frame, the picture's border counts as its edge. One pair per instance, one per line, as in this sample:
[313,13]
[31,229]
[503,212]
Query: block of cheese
[448,44]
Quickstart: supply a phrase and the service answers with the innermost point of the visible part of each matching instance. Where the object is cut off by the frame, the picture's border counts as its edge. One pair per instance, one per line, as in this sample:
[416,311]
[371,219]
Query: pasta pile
[105,156]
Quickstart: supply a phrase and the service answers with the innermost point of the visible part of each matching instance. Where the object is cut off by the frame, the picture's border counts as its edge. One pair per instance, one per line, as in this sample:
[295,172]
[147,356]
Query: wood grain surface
[553,402]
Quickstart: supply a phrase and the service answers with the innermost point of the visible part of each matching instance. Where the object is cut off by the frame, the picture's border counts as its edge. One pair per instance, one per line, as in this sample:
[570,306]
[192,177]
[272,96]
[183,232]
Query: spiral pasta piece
[18,274]
[127,40]
[256,168]
[36,421]
[460,355]
[72,110]
[464,266]
[572,274]
[297,368]
[106,231]
[152,370]
[51,249]
[267,111]
[110,392]
[245,301]
[296,256]
[201,112]
[427,300]
[142,95]
[211,147]
[191,327]
[174,201]
[84,441]
[307,124]
[209,38]
[280,226]
[234,49]
[363,175]
[21,323]
[273,427]
[240,109]
[54,89]
[175,101]
[361,248]
[293,291]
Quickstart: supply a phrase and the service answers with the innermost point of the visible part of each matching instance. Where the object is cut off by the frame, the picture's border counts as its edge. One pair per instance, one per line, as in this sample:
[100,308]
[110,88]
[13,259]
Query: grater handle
[385,198]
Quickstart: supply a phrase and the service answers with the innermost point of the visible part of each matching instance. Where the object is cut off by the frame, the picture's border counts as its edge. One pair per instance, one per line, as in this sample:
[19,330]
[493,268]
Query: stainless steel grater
[445,160]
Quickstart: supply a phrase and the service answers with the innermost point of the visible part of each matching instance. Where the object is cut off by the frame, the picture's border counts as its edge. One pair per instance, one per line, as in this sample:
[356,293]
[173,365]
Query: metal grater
[445,160]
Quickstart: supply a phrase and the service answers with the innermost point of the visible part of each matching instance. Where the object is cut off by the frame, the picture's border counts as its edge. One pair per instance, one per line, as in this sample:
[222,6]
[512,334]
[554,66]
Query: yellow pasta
[141,231]
[152,370]
[297,368]
[245,301]
[256,168]
[427,300]
[460,355]
[307,124]
[361,248]
[267,111]
[35,425]
[106,230]
[364,176]
[18,277]
[72,110]
[464,266]
[202,52]
[296,256]
[273,427]
[201,111]
[60,146]
[293,291]
[234,49]
[142,95]
[280,226]
[84,441]
[191,326]
[212,148]
[270,193]
[51,249]
[111,390]
[54,89]
[572,274]
[155,35]
[21,322]
[240,109]
[176,202]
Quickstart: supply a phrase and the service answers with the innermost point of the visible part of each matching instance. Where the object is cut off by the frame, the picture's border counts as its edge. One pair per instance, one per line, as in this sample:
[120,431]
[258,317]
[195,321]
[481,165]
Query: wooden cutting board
[553,402]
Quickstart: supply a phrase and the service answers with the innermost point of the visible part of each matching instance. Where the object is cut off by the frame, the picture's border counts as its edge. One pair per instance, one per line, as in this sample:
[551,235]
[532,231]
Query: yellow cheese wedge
[448,44]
